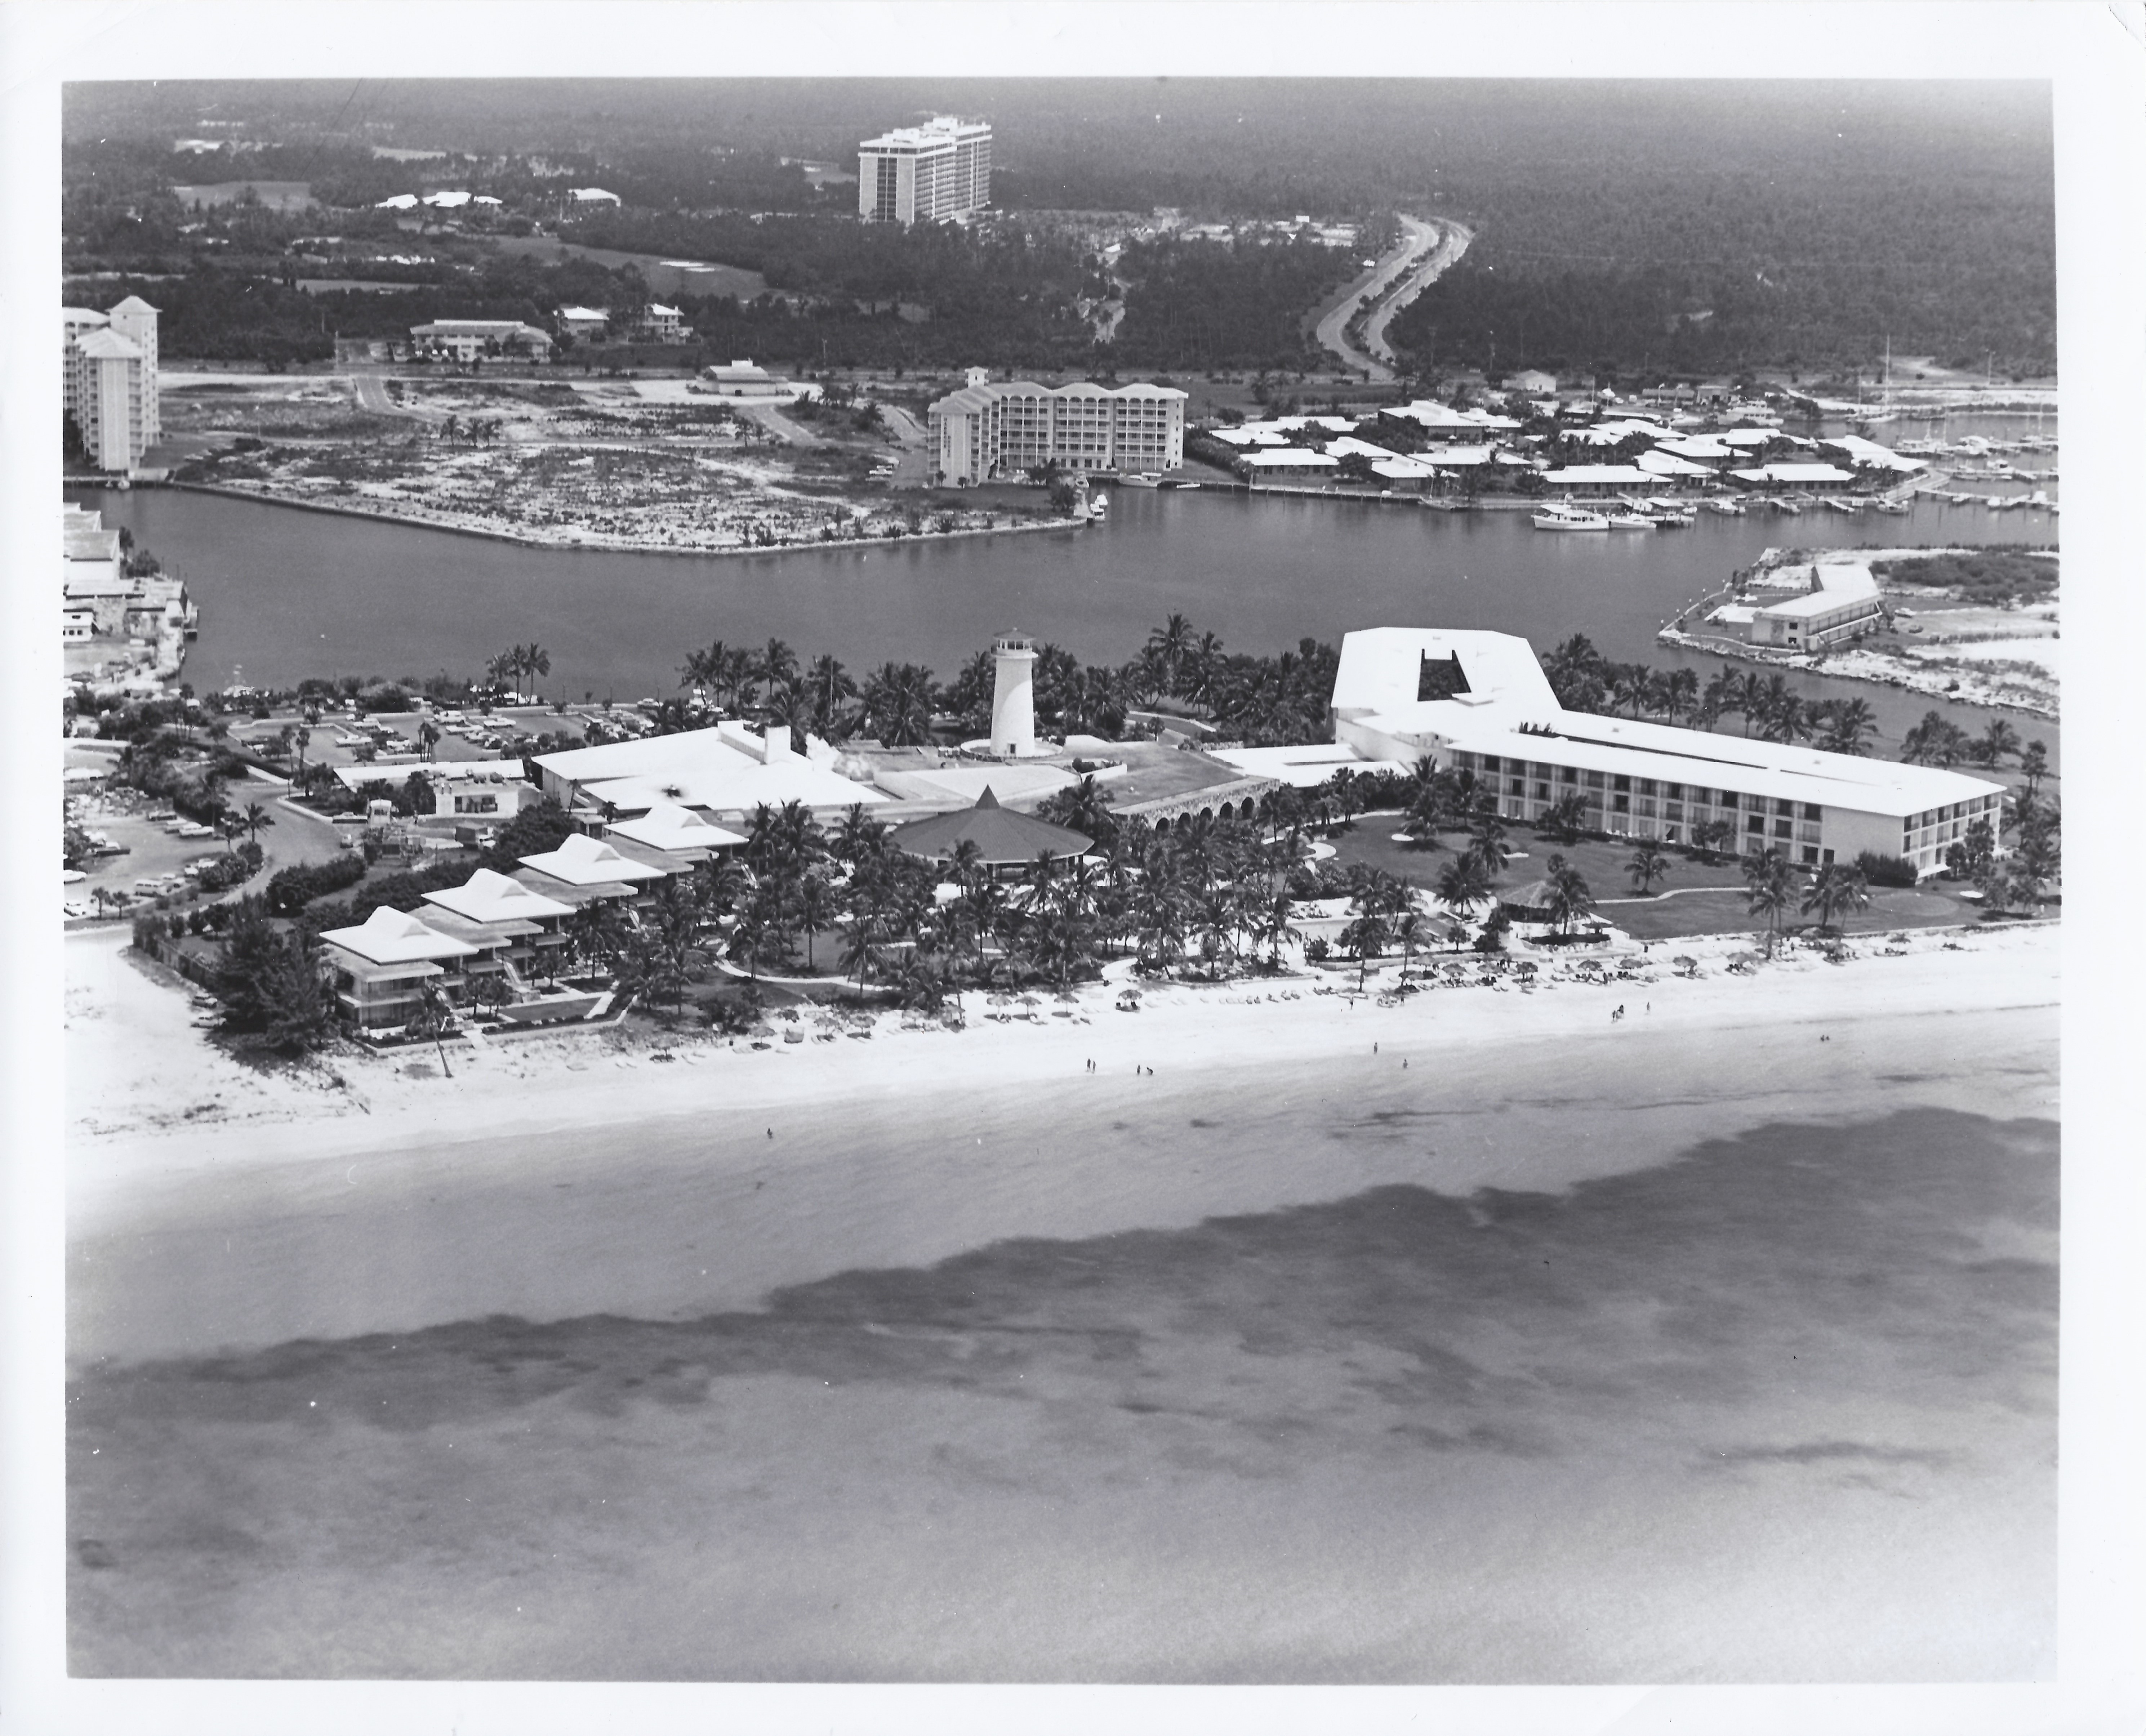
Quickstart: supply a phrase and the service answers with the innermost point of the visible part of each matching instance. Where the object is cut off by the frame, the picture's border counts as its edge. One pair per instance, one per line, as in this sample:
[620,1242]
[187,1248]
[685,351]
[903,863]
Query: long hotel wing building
[1480,703]
[986,430]
[925,174]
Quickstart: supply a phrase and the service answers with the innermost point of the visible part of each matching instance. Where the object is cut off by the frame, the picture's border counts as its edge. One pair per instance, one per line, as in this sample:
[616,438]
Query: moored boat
[1727,509]
[1628,520]
[1568,518]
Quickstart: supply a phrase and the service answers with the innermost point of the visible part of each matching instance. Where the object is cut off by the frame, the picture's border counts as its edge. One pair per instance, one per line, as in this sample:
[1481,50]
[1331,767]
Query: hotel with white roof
[925,174]
[1479,703]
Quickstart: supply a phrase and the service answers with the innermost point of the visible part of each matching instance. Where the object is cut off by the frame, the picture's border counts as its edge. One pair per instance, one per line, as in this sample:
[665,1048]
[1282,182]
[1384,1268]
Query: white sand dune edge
[148,1098]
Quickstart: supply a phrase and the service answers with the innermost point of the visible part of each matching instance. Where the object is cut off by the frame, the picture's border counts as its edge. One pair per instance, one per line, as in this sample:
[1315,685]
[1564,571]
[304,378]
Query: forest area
[1682,227]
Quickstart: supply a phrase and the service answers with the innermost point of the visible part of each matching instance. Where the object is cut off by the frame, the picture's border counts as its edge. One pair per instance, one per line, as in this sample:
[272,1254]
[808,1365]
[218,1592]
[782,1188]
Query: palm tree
[1486,835]
[858,835]
[1682,694]
[254,817]
[897,702]
[1628,686]
[1093,703]
[428,737]
[1997,741]
[1836,887]
[1850,725]
[1464,883]
[299,737]
[1170,642]
[830,688]
[1565,818]
[1365,939]
[1713,837]
[432,1018]
[2033,767]
[775,665]
[1201,669]
[814,903]
[1272,925]
[1768,886]
[1569,895]
[1781,711]
[1648,863]
[535,660]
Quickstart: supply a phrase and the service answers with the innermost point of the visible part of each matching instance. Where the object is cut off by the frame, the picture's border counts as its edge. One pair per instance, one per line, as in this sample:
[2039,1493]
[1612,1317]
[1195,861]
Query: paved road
[913,463]
[1425,249]
[1452,241]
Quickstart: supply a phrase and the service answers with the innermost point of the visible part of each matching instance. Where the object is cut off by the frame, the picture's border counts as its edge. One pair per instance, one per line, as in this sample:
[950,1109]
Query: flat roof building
[925,174]
[986,430]
[1843,602]
[466,340]
[1479,703]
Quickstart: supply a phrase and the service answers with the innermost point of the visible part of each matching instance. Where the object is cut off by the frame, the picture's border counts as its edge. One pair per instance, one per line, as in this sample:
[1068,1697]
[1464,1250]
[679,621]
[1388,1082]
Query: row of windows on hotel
[1645,807]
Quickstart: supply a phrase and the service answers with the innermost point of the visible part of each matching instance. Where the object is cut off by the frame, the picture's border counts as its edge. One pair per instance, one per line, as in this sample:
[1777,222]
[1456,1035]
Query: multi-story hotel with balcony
[925,174]
[1480,703]
[984,430]
[108,380]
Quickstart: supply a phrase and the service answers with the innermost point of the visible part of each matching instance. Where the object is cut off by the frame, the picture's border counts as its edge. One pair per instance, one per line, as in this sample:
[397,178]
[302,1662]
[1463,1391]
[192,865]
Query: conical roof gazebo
[1003,838]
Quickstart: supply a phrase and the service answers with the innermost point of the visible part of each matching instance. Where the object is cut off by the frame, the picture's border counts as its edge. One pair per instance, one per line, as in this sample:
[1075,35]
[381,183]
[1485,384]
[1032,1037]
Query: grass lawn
[1601,861]
[1694,898]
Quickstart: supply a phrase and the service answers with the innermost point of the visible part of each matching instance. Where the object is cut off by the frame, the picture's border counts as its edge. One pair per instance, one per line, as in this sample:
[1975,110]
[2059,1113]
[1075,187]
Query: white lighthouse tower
[1013,695]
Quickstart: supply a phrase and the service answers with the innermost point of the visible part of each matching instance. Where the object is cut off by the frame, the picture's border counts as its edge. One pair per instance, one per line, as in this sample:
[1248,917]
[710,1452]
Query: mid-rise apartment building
[985,429]
[925,174]
[1479,703]
[108,380]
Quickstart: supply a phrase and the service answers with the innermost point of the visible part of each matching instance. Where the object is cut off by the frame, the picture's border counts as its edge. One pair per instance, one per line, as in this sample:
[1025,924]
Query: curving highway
[1427,247]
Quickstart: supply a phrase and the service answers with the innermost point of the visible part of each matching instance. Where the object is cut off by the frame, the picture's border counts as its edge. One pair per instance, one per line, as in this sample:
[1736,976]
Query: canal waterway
[286,592]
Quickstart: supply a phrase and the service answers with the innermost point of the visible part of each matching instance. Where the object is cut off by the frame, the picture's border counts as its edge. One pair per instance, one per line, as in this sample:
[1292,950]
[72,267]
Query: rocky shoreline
[594,542]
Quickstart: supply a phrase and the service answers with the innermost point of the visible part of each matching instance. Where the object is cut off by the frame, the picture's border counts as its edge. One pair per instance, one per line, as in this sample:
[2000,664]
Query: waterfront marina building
[925,174]
[1841,603]
[1481,704]
[985,429]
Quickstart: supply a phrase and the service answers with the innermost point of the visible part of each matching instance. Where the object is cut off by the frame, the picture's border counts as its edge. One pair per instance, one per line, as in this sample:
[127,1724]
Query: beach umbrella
[1686,964]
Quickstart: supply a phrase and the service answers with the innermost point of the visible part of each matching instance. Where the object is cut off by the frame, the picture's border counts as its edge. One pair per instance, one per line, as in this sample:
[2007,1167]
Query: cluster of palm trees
[1211,895]
[1772,887]
[518,664]
[1257,699]
[1584,680]
[1938,741]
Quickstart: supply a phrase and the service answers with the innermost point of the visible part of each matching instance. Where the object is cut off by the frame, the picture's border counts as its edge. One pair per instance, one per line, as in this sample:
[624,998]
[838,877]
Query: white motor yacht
[1568,518]
[1727,509]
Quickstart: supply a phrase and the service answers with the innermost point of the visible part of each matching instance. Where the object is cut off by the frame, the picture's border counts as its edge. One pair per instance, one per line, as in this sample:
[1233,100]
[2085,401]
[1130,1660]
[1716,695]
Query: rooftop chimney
[774,744]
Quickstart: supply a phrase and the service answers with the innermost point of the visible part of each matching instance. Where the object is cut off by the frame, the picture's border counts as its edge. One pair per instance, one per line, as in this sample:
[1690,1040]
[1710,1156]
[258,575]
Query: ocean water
[1776,1406]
